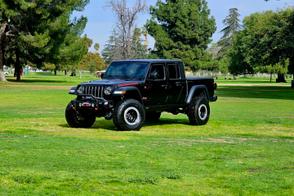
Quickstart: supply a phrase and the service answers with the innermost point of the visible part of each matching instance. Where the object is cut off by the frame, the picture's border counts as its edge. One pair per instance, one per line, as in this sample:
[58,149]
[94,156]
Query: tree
[126,23]
[266,44]
[93,61]
[73,48]
[219,63]
[113,50]
[181,29]
[236,55]
[139,50]
[3,32]
[268,40]
[232,26]
[97,47]
[39,28]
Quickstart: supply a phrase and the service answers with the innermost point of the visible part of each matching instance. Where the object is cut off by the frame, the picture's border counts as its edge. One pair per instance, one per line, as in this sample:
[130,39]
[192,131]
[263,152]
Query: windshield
[127,70]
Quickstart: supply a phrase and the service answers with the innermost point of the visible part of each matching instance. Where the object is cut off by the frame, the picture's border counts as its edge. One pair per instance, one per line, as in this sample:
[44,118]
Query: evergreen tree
[232,25]
[73,48]
[38,29]
[112,49]
[114,46]
[181,29]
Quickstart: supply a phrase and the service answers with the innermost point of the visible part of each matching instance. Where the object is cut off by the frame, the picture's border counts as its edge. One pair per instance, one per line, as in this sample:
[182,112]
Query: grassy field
[246,149]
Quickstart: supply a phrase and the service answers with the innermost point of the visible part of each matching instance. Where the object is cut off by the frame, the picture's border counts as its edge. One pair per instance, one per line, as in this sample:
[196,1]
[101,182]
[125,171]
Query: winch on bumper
[90,104]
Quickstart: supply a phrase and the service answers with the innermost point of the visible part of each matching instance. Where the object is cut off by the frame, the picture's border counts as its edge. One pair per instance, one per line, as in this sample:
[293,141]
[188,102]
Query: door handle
[178,84]
[164,86]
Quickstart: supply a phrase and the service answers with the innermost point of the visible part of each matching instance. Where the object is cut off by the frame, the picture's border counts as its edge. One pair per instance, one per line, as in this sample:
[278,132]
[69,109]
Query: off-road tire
[199,111]
[129,115]
[152,116]
[76,120]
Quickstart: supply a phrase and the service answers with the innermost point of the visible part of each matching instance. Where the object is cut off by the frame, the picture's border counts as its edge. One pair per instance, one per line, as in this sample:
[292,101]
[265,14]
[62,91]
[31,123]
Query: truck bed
[206,81]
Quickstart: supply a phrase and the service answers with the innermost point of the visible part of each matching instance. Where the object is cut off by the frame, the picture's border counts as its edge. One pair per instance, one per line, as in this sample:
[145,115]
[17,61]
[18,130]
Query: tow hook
[108,116]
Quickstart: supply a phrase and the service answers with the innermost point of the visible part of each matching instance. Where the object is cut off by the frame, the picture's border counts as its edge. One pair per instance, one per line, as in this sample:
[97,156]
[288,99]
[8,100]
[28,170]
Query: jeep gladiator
[134,91]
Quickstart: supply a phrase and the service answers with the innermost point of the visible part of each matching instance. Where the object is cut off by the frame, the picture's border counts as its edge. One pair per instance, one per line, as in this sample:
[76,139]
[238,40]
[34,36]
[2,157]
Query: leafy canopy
[266,40]
[182,29]
[43,31]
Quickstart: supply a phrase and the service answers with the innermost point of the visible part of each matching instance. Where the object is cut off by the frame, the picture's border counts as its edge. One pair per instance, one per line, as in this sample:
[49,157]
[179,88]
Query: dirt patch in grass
[262,170]
[221,140]
[190,142]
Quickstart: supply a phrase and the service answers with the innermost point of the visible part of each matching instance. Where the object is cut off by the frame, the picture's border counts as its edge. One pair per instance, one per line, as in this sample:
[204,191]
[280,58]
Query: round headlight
[80,90]
[108,90]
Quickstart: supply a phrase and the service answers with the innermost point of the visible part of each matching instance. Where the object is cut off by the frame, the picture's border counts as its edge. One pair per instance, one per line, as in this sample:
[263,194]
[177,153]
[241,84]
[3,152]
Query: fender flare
[196,89]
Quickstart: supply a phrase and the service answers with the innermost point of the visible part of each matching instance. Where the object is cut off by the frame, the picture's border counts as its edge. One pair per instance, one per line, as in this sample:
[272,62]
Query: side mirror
[102,75]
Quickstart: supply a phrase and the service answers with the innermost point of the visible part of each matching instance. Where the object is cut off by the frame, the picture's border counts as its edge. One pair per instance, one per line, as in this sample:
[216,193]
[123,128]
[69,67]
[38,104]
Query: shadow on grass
[244,81]
[167,121]
[263,92]
[25,81]
[108,125]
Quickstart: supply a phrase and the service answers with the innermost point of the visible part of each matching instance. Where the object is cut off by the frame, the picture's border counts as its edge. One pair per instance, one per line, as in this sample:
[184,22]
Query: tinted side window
[157,72]
[173,71]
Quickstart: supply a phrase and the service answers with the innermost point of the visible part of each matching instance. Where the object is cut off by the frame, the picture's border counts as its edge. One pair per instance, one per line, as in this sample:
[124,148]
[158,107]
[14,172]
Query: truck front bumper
[90,104]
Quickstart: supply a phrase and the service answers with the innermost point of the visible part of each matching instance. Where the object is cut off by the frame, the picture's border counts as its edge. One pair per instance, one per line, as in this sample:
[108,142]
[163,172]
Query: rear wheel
[152,116]
[129,115]
[77,120]
[199,111]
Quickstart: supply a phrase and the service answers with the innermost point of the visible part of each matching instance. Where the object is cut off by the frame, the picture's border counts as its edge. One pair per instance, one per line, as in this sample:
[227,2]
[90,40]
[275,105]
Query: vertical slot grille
[96,91]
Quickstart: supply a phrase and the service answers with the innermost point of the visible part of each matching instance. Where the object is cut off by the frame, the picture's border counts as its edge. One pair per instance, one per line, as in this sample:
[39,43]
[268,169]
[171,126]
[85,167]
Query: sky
[101,20]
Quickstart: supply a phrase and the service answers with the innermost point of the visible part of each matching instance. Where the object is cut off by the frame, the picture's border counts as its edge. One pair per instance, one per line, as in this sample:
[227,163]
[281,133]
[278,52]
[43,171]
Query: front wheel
[77,120]
[199,111]
[129,115]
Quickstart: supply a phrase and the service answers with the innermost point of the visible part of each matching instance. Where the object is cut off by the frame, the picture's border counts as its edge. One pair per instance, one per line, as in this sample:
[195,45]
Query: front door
[155,90]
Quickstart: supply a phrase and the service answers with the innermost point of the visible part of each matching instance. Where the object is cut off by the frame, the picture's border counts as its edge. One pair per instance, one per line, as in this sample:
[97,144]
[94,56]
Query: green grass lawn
[247,148]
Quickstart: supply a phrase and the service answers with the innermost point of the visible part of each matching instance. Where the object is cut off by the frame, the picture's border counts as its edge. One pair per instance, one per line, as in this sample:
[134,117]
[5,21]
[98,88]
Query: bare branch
[127,17]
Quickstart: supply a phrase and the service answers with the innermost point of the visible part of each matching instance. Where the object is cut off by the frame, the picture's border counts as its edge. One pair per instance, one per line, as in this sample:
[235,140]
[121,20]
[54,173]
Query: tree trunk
[2,37]
[281,78]
[292,83]
[17,66]
[2,75]
[55,72]
[271,77]
[65,72]
[73,73]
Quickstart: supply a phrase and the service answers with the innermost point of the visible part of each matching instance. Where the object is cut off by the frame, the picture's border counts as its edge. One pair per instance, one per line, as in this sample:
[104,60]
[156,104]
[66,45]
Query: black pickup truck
[134,91]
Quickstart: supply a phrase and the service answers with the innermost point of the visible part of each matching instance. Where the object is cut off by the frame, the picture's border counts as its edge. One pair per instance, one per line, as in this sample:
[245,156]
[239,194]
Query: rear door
[176,84]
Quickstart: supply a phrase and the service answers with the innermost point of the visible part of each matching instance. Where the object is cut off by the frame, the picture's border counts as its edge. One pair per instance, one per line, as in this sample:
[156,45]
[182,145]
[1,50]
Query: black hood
[111,82]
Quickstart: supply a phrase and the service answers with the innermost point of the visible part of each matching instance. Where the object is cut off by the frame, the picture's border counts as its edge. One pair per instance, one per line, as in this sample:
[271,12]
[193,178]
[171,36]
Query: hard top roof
[149,60]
